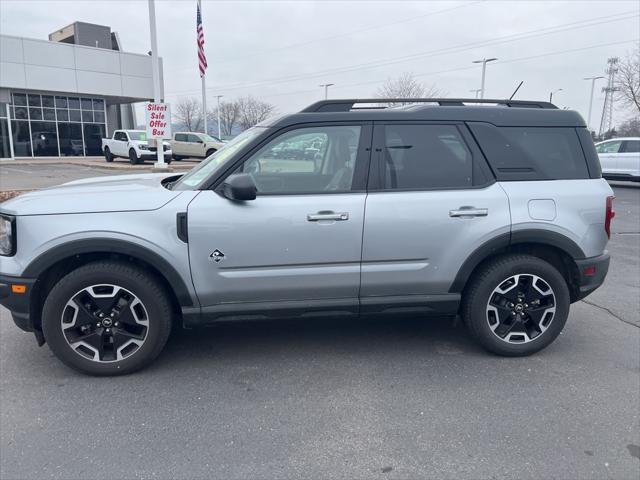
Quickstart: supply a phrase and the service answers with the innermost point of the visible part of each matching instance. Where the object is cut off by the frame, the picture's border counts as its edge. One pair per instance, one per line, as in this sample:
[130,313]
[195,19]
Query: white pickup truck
[132,144]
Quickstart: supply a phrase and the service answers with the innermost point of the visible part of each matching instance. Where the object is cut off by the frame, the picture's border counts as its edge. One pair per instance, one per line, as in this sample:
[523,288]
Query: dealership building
[62,96]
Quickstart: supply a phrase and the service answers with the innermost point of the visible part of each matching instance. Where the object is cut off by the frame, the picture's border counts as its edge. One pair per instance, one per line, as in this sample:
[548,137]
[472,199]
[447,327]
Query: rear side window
[420,157]
[181,137]
[532,153]
[631,146]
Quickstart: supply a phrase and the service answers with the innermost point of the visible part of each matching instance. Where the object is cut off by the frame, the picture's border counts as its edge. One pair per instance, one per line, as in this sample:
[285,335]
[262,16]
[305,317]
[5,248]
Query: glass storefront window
[35,113]
[20,99]
[70,139]
[45,139]
[47,101]
[34,100]
[49,114]
[93,135]
[48,125]
[21,138]
[5,149]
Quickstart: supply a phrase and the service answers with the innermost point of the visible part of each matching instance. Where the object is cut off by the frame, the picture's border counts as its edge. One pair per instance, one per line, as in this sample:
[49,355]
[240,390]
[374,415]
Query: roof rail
[347,105]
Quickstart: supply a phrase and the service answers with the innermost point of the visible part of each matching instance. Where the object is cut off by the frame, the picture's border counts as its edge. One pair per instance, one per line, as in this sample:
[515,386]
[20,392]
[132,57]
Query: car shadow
[295,339]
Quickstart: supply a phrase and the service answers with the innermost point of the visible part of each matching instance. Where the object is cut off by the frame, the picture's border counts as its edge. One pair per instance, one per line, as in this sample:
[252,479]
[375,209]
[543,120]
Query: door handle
[469,212]
[337,217]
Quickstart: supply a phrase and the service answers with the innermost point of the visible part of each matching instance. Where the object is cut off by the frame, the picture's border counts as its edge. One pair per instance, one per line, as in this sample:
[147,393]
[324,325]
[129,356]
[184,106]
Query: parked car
[132,144]
[495,213]
[620,158]
[194,145]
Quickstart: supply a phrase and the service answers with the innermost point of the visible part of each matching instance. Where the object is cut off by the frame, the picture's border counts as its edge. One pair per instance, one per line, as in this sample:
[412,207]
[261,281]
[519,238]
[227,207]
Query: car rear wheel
[516,305]
[107,318]
[107,155]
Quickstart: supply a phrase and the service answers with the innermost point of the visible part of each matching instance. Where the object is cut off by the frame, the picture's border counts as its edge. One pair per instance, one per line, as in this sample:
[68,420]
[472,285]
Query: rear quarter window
[532,153]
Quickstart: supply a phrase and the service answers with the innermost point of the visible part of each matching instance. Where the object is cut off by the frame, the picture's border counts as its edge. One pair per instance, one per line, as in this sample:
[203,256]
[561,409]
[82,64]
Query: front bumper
[17,303]
[152,155]
[591,274]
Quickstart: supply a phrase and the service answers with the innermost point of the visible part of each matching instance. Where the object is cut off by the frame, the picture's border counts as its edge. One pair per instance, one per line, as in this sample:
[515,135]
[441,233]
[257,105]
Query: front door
[432,207]
[298,244]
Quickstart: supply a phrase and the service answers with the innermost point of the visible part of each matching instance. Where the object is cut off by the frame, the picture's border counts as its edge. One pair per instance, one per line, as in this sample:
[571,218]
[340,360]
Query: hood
[104,194]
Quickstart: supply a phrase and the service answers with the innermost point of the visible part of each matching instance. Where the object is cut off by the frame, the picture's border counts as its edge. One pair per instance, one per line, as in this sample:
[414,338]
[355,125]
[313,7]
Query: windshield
[196,177]
[139,136]
[209,138]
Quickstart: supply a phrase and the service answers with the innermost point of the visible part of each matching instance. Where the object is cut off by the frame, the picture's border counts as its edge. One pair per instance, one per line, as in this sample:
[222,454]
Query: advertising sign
[158,120]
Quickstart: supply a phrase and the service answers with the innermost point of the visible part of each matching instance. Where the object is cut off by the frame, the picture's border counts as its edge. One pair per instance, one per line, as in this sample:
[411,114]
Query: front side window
[420,157]
[608,147]
[306,160]
[194,139]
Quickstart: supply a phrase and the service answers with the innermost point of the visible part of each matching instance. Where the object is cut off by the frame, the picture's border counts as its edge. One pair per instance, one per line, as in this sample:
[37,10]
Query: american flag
[202,59]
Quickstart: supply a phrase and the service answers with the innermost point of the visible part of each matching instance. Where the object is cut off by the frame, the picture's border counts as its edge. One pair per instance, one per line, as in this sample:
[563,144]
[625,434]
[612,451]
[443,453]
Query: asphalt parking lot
[392,398]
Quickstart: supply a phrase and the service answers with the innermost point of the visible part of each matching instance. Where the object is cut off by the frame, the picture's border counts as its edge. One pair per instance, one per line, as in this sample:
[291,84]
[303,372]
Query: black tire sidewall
[211,151]
[137,282]
[133,157]
[475,304]
[107,155]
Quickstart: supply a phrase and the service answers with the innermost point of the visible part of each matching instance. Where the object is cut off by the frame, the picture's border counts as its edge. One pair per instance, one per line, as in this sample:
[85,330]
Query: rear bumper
[17,303]
[591,274]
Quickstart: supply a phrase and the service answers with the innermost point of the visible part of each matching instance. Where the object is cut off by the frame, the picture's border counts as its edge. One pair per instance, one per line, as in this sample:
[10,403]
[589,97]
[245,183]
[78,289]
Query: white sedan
[620,158]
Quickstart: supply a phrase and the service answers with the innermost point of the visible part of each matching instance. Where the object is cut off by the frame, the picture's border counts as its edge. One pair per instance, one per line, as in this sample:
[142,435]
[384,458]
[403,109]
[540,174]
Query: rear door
[608,155]
[431,203]
[179,143]
[629,158]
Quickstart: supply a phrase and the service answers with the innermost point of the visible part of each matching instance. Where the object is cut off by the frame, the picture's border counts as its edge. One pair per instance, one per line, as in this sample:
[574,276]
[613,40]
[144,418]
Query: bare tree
[253,111]
[406,86]
[229,116]
[627,81]
[188,112]
[629,128]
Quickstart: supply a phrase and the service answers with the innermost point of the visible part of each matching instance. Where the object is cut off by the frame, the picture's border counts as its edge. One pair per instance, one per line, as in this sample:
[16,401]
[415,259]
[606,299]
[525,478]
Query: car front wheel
[516,305]
[133,157]
[107,318]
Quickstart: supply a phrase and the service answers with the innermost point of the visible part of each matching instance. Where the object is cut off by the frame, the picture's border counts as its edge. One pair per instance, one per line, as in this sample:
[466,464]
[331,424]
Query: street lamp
[484,62]
[552,92]
[593,83]
[326,89]
[218,97]
[476,91]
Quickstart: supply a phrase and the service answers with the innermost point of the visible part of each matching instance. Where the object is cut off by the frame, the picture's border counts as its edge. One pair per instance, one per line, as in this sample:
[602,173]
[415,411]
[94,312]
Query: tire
[107,155]
[110,345]
[177,158]
[508,324]
[168,160]
[210,152]
[133,157]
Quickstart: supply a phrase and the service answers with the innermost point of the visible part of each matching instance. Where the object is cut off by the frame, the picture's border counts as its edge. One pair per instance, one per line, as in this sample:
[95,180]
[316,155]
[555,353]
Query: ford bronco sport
[494,211]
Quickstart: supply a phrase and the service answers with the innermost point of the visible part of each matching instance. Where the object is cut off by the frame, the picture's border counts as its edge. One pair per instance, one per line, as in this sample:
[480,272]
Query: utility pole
[606,122]
[326,89]
[155,66]
[218,97]
[484,62]
[551,94]
[476,91]
[593,84]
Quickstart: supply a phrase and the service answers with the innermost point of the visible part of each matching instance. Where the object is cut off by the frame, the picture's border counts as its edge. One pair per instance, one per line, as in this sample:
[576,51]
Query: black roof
[497,112]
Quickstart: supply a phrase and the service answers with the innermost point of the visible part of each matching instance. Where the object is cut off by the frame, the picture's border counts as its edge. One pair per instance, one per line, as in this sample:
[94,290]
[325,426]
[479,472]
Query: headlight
[143,147]
[7,236]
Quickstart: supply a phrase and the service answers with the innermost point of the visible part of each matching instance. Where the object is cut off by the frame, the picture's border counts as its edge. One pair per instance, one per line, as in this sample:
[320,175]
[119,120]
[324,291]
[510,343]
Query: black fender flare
[505,240]
[111,245]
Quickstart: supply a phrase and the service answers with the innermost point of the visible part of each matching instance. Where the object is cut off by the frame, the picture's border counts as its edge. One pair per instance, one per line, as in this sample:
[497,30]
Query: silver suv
[497,213]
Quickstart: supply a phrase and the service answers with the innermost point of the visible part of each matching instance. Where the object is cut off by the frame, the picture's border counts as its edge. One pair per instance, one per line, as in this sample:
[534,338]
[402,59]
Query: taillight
[608,216]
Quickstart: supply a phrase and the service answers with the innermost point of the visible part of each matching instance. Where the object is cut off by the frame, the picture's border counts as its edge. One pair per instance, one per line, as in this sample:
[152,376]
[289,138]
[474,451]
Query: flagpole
[204,103]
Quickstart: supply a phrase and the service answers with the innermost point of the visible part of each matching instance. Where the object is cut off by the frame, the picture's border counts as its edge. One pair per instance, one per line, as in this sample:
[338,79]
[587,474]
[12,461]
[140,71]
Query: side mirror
[239,187]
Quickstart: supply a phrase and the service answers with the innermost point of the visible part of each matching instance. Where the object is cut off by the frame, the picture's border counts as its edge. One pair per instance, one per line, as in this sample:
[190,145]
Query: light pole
[155,66]
[326,89]
[552,92]
[218,97]
[476,91]
[593,84]
[484,62]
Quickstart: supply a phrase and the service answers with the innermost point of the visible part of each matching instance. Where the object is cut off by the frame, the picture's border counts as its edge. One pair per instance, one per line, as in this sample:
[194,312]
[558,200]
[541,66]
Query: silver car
[497,213]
